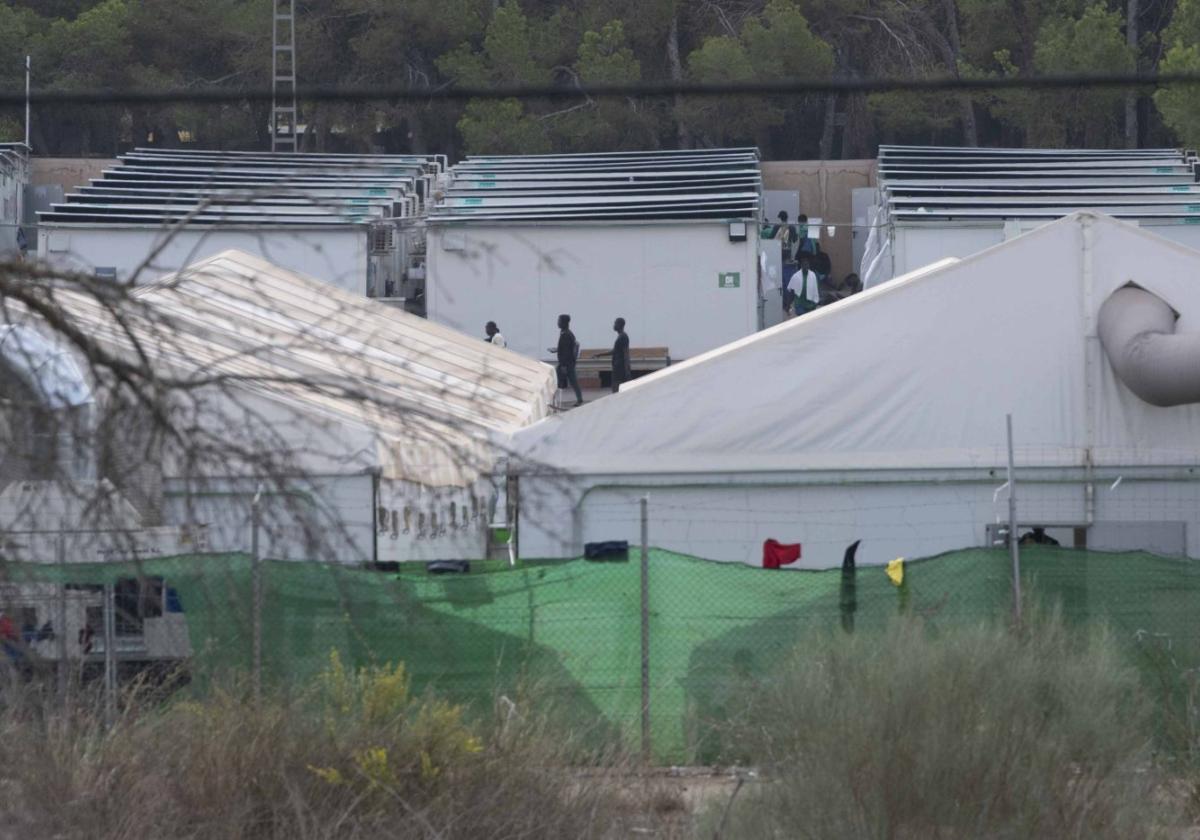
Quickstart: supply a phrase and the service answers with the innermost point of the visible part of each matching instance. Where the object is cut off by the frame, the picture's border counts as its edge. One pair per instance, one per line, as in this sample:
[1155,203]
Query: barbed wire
[450,92]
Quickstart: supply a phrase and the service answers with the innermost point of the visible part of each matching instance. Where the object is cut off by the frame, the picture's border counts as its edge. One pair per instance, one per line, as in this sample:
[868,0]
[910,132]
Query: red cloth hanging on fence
[776,554]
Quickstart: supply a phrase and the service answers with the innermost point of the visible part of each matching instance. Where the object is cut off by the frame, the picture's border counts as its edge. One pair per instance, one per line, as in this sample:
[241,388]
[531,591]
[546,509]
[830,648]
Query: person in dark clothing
[621,371]
[835,290]
[567,353]
[494,336]
[804,245]
[1037,536]
[803,288]
[822,265]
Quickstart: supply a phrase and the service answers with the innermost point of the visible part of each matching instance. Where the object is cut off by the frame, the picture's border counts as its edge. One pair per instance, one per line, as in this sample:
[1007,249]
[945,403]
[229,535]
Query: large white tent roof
[916,373]
[344,382]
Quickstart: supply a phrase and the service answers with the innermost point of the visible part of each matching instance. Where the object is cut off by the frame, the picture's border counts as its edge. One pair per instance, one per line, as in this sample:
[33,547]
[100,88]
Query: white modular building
[350,220]
[666,240]
[882,418]
[937,202]
[14,178]
[367,434]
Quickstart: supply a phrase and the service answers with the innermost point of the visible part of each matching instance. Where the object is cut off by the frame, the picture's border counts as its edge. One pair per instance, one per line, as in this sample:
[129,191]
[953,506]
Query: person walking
[567,354]
[493,335]
[805,288]
[786,237]
[621,371]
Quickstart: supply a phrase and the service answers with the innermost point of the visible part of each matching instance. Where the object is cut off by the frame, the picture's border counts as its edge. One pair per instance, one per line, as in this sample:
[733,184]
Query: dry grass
[355,757]
[977,733]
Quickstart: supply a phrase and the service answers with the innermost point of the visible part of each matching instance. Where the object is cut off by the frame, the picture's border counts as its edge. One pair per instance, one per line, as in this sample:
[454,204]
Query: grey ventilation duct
[1137,331]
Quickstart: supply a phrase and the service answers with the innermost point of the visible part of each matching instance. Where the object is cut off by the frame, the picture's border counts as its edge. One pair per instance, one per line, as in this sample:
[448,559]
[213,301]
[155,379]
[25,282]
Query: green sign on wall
[729,280]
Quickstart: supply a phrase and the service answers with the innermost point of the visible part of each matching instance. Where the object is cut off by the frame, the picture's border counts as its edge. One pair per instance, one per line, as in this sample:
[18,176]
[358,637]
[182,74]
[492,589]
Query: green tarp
[571,630]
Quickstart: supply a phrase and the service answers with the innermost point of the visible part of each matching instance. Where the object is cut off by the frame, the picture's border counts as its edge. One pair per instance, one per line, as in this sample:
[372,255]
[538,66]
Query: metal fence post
[646,751]
[110,654]
[60,620]
[1013,547]
[256,606]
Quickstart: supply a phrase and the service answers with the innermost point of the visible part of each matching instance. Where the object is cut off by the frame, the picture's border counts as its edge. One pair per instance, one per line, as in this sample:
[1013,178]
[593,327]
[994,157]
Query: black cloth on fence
[848,597]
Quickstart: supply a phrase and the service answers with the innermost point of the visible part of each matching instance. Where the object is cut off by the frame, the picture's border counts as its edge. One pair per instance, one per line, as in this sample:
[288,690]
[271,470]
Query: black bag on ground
[611,550]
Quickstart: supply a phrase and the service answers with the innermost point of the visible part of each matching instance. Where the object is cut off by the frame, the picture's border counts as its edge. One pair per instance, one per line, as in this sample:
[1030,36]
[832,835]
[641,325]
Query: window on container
[383,240]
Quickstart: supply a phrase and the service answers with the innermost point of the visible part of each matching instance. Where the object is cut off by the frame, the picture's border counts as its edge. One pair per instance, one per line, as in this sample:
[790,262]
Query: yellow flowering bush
[385,738]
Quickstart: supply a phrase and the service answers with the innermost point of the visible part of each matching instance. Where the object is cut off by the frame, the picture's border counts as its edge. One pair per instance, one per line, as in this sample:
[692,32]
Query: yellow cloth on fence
[895,571]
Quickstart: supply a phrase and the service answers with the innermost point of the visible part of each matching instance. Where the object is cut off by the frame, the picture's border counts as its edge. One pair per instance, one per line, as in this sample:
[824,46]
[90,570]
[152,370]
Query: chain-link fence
[568,634]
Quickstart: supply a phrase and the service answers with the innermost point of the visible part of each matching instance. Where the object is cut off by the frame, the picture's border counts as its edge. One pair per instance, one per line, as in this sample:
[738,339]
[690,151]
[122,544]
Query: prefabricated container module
[349,220]
[666,240]
[937,202]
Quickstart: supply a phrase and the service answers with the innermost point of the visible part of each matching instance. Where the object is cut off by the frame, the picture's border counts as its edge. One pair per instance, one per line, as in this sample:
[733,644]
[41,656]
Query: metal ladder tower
[284,136]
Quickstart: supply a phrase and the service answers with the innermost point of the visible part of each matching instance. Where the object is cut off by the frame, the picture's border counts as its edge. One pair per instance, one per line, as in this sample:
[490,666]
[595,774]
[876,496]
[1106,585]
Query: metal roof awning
[164,220]
[224,198]
[1044,213]
[1041,200]
[266,192]
[933,185]
[687,185]
[169,186]
[892,150]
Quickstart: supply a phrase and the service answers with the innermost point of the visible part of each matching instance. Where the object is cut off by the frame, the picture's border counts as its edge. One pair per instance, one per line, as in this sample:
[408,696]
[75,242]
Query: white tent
[387,417]
[882,418]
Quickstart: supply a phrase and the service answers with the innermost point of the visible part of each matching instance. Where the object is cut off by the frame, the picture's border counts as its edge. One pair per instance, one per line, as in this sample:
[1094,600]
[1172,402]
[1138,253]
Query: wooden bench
[595,371]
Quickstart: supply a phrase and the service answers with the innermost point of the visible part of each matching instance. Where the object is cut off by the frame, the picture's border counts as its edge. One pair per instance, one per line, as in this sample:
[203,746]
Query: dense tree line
[185,43]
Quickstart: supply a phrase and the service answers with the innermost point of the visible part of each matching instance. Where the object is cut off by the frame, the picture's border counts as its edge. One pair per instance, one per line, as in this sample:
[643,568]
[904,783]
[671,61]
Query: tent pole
[110,655]
[60,620]
[28,74]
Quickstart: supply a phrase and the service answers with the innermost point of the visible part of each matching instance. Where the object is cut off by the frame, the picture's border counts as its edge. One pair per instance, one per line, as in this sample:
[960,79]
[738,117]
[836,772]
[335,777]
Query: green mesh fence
[570,631]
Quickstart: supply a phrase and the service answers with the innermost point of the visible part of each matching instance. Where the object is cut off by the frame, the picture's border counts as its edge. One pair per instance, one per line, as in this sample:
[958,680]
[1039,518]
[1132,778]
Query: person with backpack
[567,354]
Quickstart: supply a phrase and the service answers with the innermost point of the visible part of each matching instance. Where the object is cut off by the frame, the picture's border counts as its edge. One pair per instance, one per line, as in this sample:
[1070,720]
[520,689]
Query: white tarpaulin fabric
[341,382]
[48,369]
[915,373]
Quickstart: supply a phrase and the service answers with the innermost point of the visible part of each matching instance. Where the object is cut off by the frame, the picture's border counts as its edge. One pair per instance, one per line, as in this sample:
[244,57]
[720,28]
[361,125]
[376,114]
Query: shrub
[977,732]
[356,756]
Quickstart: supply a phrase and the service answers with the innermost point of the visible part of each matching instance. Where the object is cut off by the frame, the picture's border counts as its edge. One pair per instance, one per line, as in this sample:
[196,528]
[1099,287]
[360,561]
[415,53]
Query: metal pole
[257,596]
[28,73]
[60,620]
[110,663]
[1013,547]
[645,632]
